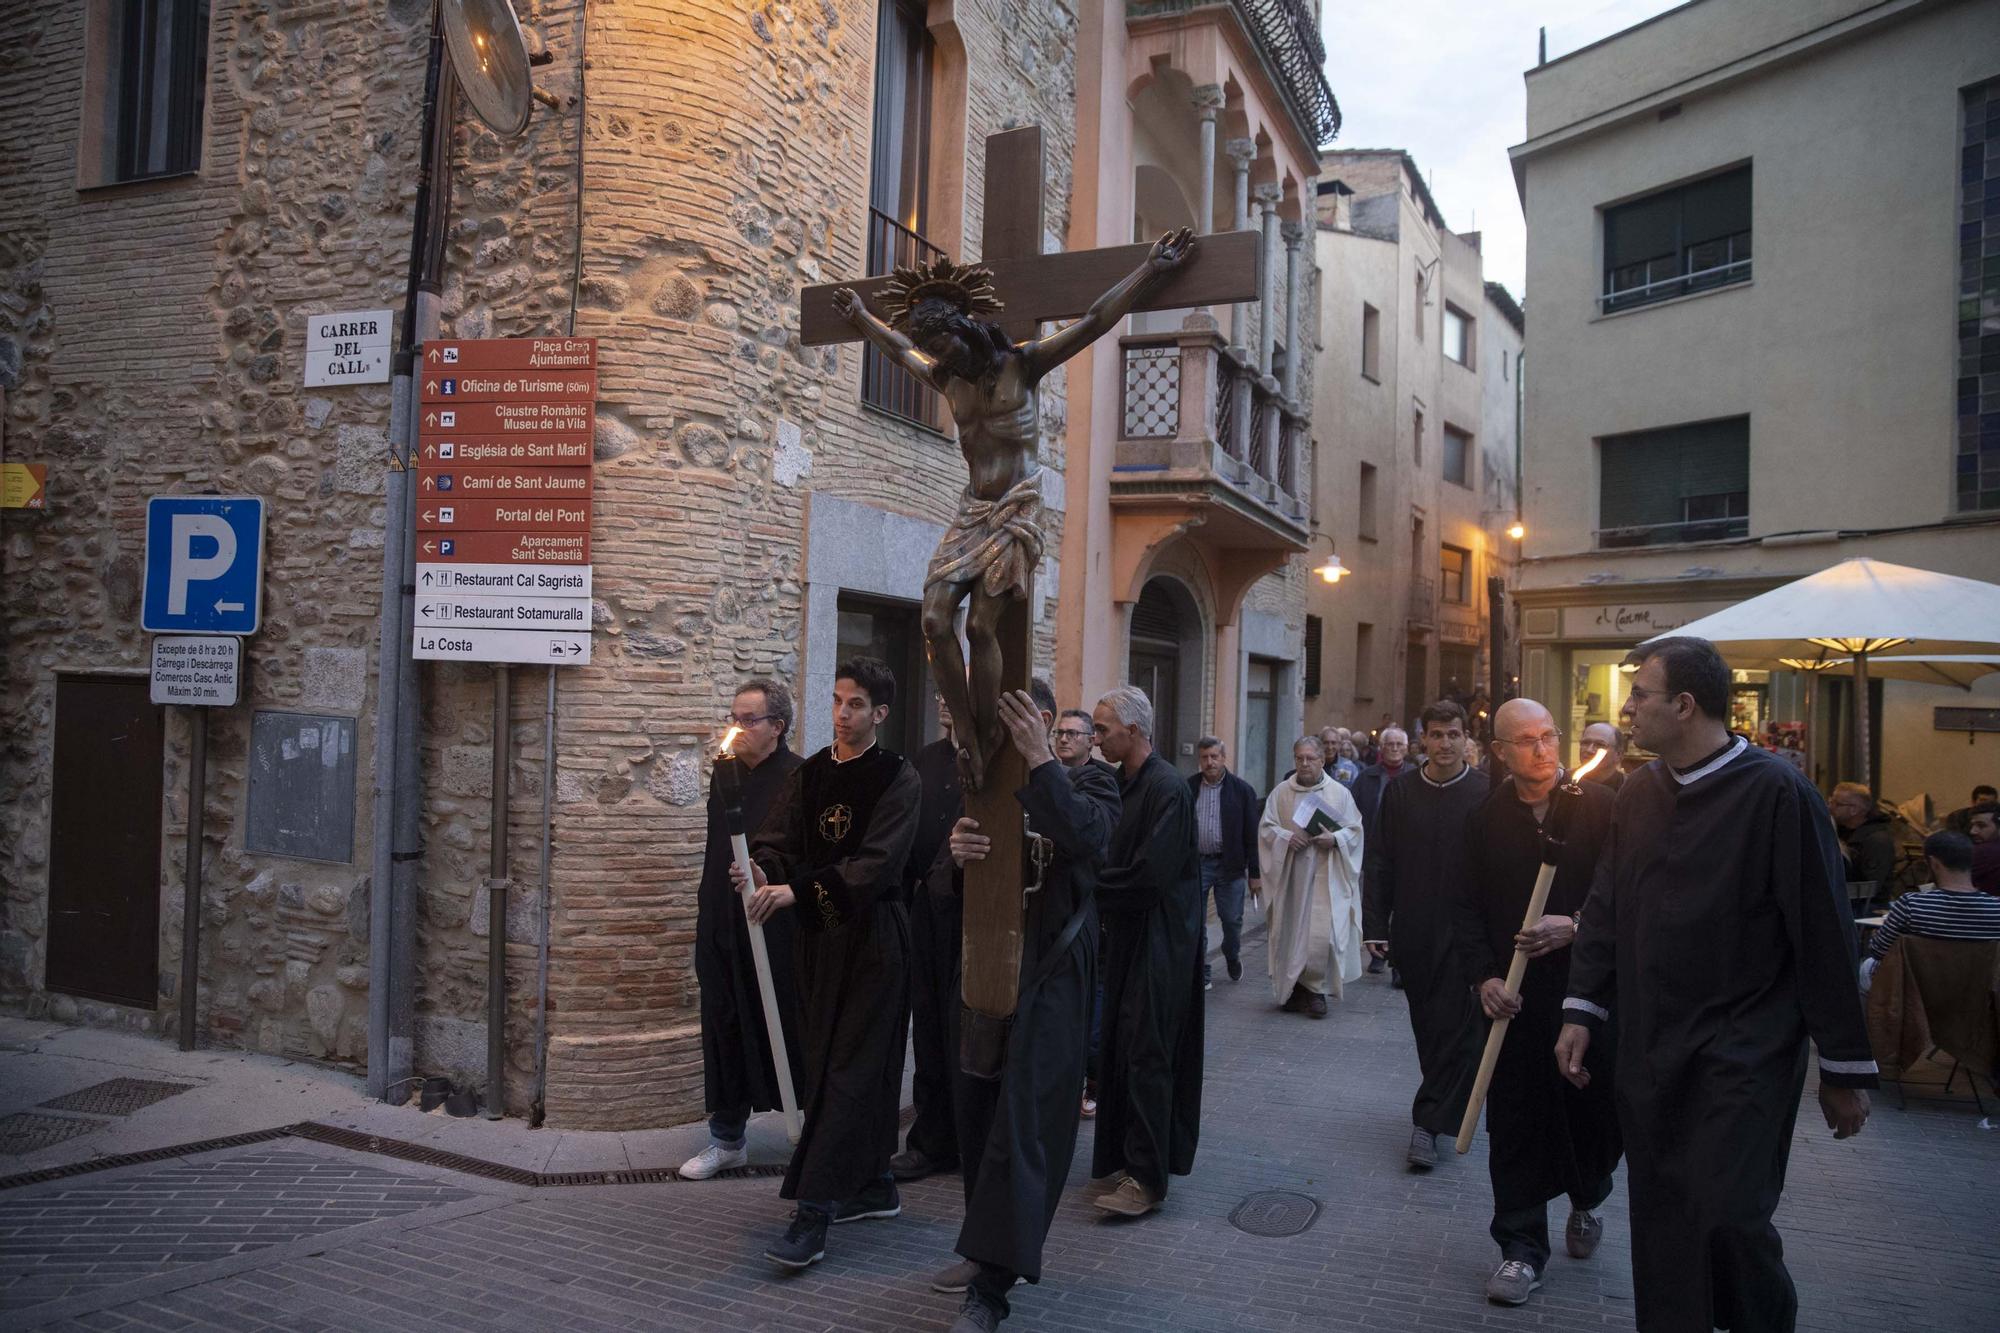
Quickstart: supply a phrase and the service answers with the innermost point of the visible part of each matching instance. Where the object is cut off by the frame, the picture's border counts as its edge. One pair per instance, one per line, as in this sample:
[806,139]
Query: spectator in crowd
[1345,766]
[1392,748]
[1604,736]
[1866,839]
[1225,836]
[1984,829]
[1953,910]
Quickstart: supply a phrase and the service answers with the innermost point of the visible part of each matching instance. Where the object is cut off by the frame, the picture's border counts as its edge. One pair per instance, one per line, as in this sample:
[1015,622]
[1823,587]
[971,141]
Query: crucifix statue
[971,333]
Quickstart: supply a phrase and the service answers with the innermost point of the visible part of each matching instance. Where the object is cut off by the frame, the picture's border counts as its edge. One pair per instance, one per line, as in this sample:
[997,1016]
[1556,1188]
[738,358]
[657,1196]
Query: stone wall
[726,161]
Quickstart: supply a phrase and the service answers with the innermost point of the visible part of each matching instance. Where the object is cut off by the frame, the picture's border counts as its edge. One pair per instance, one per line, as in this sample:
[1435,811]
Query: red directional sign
[512,354]
[505,432]
[448,481]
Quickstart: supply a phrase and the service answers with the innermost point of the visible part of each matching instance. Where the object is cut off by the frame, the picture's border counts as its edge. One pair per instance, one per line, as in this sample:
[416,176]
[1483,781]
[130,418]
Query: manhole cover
[26,1132]
[118,1096]
[1275,1213]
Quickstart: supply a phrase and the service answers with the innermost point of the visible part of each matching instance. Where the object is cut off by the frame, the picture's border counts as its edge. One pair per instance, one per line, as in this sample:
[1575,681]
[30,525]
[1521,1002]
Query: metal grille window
[1977,476]
[1682,484]
[1457,457]
[160,48]
[1688,239]
[1315,631]
[899,187]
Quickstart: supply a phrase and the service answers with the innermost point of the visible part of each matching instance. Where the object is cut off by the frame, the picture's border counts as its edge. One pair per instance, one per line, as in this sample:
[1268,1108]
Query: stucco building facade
[1760,245]
[761,507]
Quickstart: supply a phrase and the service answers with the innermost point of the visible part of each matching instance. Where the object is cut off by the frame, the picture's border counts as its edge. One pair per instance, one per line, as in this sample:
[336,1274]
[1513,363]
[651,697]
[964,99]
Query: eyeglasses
[1071,734]
[750,719]
[1639,694]
[1548,740]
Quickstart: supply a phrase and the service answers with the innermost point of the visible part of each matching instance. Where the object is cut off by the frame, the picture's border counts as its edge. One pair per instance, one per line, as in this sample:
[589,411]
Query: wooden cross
[1034,287]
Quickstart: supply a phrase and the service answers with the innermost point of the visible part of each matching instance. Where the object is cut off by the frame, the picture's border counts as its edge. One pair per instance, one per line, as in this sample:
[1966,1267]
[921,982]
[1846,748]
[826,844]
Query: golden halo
[969,287]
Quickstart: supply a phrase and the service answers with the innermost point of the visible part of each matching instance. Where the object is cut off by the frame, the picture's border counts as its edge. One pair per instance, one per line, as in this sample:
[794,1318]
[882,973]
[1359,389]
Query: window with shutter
[899,191]
[1314,630]
[1686,483]
[1686,239]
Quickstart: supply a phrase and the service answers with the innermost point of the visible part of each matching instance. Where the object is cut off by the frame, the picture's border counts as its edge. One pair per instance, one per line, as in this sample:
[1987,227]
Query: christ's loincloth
[996,542]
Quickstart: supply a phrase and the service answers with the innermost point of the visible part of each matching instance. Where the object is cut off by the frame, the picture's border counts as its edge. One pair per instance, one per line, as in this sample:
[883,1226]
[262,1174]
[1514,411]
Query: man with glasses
[1546,1139]
[1413,862]
[1717,937]
[738,1076]
[1603,736]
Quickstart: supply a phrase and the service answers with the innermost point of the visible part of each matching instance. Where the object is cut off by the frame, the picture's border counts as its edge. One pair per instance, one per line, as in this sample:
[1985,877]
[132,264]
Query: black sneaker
[976,1316]
[915,1164]
[1375,966]
[878,1200]
[804,1242]
[1236,969]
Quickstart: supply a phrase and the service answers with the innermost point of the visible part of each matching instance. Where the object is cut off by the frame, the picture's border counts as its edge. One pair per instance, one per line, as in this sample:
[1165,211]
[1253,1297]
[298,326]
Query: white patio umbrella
[1856,610]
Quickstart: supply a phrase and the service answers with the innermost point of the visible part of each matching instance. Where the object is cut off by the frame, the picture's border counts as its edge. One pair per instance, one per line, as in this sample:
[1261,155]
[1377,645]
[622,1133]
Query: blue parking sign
[204,564]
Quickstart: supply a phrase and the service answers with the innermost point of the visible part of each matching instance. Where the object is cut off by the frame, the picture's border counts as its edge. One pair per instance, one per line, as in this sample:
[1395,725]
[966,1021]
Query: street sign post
[503,511]
[204,564]
[197,670]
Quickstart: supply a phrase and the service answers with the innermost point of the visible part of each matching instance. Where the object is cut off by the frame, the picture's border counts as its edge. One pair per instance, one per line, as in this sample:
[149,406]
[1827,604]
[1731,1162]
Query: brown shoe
[1295,1003]
[1130,1199]
[1315,1006]
[1585,1229]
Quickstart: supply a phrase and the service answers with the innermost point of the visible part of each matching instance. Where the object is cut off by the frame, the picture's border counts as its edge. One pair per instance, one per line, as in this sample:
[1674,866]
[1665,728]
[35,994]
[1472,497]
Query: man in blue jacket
[1225,835]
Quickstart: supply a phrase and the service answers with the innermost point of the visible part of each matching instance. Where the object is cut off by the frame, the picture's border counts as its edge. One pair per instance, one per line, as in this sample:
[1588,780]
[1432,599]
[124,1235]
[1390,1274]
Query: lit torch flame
[728,743]
[1576,778]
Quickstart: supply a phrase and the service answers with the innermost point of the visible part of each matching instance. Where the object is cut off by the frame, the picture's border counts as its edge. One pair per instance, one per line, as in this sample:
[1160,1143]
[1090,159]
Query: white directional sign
[205,670]
[504,612]
[348,347]
[504,580]
[501,645]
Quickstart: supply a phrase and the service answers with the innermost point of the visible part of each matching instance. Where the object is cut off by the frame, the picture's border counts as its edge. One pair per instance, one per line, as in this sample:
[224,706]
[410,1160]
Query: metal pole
[496,904]
[542,934]
[1496,640]
[191,904]
[1862,739]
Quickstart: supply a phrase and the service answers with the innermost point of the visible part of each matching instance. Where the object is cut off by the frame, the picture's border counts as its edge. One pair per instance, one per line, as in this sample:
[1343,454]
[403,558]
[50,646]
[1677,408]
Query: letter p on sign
[185,567]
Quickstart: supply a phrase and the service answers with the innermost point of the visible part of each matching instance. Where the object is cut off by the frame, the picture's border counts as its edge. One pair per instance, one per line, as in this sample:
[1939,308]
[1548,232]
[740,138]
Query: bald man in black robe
[1717,938]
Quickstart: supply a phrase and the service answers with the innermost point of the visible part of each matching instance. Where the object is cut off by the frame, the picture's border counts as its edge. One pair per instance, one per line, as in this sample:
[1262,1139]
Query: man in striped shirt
[1954,910]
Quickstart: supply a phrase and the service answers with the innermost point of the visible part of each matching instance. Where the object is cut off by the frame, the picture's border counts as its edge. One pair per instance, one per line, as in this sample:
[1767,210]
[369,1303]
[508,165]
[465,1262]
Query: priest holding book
[1309,849]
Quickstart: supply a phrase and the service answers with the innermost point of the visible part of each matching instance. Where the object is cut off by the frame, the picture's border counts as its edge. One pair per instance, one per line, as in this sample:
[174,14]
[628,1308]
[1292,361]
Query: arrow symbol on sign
[430,451]
[429,547]
[427,609]
[430,418]
[430,484]
[429,514]
[431,355]
[220,607]
[427,578]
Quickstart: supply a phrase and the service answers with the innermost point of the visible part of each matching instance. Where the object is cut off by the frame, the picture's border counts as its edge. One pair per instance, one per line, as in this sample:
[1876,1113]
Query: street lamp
[1330,570]
[1517,530]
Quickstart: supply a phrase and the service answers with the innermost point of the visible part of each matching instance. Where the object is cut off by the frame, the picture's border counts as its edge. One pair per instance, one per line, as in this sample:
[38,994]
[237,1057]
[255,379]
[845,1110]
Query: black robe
[1718,937]
[737,1072]
[1546,1138]
[1149,896]
[936,915]
[1413,862]
[1017,1134]
[839,837]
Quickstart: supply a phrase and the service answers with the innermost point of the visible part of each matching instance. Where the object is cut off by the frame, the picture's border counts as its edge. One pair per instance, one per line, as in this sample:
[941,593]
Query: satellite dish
[491,61]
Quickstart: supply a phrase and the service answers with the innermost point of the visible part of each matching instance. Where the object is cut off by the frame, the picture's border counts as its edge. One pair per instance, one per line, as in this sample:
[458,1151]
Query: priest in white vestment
[1309,848]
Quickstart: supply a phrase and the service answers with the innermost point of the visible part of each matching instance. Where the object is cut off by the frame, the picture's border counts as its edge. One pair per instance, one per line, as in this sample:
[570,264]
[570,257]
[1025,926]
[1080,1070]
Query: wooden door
[104,841]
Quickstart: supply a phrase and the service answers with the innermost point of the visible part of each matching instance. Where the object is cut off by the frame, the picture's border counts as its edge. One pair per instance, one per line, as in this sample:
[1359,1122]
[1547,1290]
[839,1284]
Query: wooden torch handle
[1498,1033]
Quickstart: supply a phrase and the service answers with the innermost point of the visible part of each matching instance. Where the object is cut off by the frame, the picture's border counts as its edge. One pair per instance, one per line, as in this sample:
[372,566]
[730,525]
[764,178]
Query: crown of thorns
[968,287]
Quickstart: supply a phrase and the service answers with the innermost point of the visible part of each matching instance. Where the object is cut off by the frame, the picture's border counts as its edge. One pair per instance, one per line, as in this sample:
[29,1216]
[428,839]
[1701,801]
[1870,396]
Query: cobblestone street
[1893,1230]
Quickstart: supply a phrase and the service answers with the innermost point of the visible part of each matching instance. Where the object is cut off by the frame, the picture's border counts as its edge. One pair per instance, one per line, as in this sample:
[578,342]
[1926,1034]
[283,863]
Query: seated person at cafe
[1960,820]
[1867,840]
[1953,910]
[1984,828]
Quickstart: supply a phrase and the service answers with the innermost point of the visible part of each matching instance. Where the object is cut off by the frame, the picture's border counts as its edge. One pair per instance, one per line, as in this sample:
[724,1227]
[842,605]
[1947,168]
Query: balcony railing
[1673,534]
[1191,410]
[884,384]
[1289,40]
[1697,269]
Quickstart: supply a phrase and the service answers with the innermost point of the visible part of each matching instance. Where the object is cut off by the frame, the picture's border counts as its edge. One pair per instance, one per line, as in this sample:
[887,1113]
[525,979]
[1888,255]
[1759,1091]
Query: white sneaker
[713,1159]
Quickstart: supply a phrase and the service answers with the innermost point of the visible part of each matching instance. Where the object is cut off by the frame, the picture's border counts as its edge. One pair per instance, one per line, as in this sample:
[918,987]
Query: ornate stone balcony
[1205,437]
[1288,41]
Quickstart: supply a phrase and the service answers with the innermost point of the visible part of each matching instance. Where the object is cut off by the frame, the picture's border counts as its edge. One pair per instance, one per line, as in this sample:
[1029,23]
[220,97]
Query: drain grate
[26,1132]
[118,1096]
[1273,1213]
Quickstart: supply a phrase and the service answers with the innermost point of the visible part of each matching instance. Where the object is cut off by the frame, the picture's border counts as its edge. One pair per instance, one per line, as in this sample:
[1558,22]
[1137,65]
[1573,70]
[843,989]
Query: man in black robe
[1413,861]
[833,850]
[1717,934]
[738,1075]
[1545,1138]
[1149,895]
[1017,1133]
[936,915]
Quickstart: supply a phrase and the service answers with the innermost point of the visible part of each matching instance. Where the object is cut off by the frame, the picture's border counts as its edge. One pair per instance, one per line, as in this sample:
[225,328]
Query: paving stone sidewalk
[1893,1230]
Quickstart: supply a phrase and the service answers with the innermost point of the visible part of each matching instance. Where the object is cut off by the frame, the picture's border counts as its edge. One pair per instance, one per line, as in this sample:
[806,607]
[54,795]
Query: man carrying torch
[1531,850]
[749,1002]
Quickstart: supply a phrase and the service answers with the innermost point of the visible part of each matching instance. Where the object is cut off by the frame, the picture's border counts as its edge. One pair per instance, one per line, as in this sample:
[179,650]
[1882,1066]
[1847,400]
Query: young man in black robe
[936,919]
[832,851]
[1545,1139]
[738,1075]
[1149,896]
[1413,860]
[1717,935]
[1017,1133]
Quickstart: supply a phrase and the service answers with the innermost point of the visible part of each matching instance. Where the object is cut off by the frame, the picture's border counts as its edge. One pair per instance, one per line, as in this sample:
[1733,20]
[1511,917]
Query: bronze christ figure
[938,329]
